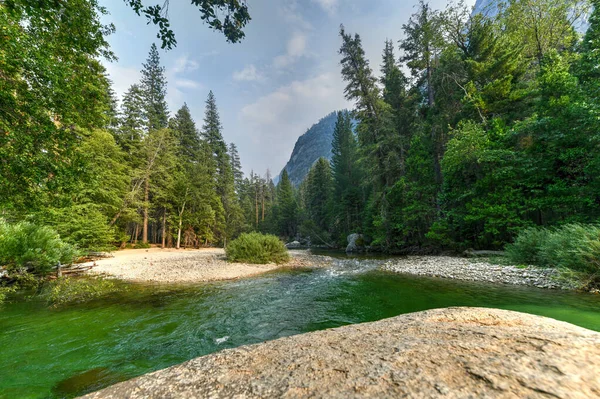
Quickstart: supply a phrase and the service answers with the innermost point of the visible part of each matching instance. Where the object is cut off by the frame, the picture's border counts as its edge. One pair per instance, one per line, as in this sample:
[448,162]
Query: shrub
[67,290]
[31,247]
[526,250]
[257,248]
[572,246]
[4,291]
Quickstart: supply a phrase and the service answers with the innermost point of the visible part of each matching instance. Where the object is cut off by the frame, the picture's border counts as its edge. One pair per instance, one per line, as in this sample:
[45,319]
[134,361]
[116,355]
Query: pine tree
[287,207]
[394,94]
[154,88]
[133,120]
[589,65]
[347,203]
[371,111]
[185,130]
[319,194]
[236,167]
[224,177]
[422,46]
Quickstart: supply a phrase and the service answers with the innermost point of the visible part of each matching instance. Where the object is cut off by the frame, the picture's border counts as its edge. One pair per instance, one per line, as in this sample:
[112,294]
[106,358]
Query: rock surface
[293,245]
[354,244]
[449,353]
[478,270]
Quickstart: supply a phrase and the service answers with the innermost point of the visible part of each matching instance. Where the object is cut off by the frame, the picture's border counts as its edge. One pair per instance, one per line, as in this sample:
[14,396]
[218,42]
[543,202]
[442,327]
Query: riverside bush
[34,248]
[257,248]
[573,246]
[67,290]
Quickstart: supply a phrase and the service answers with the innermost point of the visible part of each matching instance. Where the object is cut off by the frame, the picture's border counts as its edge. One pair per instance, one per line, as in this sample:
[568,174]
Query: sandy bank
[180,266]
[449,353]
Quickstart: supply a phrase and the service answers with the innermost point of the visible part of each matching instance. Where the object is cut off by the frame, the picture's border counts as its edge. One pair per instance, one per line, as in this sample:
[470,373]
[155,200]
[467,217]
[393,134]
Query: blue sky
[270,88]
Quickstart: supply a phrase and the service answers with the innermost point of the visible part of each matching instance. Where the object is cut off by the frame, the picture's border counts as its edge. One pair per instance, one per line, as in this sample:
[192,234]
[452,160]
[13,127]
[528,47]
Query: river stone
[353,243]
[450,353]
[293,245]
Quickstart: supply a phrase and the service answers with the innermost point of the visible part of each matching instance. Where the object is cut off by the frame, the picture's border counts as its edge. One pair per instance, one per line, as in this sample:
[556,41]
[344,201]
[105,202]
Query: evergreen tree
[318,195]
[287,207]
[224,177]
[133,120]
[236,167]
[185,130]
[154,89]
[421,46]
[347,202]
[589,66]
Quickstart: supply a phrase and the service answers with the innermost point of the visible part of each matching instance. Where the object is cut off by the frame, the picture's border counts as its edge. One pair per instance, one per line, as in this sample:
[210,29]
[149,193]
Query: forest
[476,128]
[481,128]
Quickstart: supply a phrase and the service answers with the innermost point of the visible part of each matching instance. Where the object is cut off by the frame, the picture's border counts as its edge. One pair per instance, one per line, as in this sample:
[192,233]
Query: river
[67,351]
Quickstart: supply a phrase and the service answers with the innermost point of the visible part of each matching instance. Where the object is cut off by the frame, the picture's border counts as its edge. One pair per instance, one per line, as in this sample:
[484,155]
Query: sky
[274,85]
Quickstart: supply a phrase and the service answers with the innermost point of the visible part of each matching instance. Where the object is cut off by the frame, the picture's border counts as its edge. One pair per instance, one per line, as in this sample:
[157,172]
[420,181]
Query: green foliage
[43,100]
[35,248]
[4,292]
[527,247]
[68,290]
[227,16]
[257,248]
[286,207]
[572,246]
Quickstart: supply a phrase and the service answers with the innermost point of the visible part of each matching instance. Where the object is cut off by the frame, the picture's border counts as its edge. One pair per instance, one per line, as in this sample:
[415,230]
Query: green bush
[573,246]
[257,248]
[36,249]
[67,290]
[4,291]
[526,250]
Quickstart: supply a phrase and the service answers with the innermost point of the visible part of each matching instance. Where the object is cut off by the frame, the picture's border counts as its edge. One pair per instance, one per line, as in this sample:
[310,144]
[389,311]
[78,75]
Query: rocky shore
[449,353]
[477,270]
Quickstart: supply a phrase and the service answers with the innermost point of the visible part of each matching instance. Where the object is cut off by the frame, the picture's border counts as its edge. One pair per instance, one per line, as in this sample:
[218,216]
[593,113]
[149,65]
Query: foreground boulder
[450,353]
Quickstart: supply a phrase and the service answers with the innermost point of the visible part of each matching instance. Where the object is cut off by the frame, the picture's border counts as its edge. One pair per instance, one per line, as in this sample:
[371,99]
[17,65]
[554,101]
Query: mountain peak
[312,145]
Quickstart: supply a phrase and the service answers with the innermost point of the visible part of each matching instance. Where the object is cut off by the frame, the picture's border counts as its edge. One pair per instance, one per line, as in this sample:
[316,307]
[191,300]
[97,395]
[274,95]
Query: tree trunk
[263,203]
[135,235]
[146,199]
[256,206]
[180,225]
[164,227]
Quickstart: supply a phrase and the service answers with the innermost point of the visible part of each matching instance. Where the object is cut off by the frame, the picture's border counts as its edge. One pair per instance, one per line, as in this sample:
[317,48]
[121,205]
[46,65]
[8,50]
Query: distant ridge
[311,146]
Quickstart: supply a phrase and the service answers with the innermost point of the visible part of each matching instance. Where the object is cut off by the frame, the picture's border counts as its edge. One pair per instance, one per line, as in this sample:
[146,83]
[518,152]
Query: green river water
[67,351]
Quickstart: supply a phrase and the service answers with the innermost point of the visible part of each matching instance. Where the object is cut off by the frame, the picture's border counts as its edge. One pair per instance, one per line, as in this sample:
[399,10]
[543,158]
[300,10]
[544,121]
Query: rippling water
[49,353]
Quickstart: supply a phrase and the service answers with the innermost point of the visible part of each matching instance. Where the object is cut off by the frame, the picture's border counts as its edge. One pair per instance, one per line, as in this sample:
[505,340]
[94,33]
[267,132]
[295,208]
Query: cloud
[330,6]
[183,65]
[187,84]
[296,48]
[278,118]
[179,82]
[122,77]
[249,73]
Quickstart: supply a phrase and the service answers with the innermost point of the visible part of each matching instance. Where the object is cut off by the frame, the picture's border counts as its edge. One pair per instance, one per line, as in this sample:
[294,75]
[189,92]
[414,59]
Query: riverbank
[451,353]
[181,266]
[477,270]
